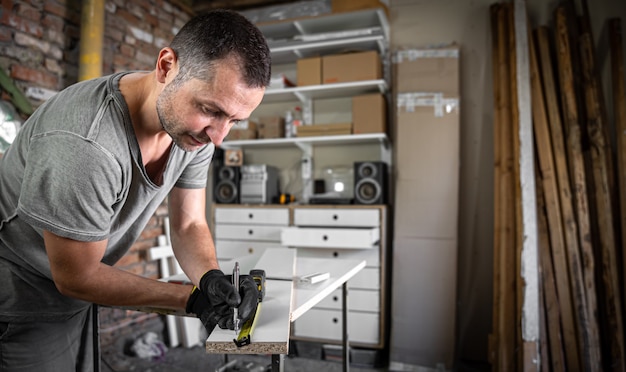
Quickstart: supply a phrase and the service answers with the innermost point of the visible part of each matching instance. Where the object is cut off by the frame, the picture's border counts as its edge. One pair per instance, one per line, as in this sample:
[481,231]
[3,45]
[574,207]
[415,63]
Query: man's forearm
[194,250]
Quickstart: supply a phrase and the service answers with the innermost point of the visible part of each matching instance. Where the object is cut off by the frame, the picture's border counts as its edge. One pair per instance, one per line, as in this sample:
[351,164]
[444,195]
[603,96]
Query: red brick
[127,50]
[5,34]
[124,15]
[22,24]
[56,8]
[42,78]
[28,12]
[52,22]
[150,19]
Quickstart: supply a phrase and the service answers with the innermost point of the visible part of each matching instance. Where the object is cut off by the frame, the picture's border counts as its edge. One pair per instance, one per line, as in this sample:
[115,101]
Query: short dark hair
[219,35]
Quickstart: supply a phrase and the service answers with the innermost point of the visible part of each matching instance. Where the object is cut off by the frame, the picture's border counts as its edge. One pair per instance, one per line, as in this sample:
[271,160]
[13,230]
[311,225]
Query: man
[87,172]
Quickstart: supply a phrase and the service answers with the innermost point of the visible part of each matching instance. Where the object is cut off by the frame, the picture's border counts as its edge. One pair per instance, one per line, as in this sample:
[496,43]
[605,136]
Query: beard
[173,124]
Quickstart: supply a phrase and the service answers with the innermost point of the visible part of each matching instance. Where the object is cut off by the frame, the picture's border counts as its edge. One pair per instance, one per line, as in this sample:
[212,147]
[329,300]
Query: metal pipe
[91,39]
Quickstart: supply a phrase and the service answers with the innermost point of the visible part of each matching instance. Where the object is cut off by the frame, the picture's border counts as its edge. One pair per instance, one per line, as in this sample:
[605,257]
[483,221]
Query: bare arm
[191,238]
[77,272]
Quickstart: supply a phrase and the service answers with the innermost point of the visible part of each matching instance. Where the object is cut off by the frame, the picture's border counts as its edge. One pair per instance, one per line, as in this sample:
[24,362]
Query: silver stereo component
[259,184]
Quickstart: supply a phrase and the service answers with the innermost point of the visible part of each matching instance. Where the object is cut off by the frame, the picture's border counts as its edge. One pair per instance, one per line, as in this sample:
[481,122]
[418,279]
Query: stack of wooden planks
[580,167]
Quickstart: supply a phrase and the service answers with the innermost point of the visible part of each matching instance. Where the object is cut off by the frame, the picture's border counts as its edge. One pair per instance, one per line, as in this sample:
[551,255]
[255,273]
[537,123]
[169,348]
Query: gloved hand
[221,297]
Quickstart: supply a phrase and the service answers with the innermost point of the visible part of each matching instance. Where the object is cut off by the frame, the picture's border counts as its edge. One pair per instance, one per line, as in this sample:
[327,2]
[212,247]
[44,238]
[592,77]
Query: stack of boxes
[369,112]
[427,153]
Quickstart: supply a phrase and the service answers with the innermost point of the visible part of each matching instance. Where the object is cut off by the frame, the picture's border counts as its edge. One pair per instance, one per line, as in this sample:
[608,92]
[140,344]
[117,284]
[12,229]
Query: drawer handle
[250,250]
[250,216]
[250,232]
[325,237]
[335,298]
[335,320]
[335,254]
[335,217]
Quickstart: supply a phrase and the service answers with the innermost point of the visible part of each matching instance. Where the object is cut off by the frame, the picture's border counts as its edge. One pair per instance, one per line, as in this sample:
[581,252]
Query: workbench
[286,299]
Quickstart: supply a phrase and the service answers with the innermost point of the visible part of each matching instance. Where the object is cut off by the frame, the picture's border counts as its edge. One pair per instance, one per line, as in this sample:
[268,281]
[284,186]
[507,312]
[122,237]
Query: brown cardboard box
[369,114]
[340,68]
[324,129]
[428,70]
[271,127]
[426,268]
[427,146]
[428,163]
[309,71]
[426,207]
[241,134]
[246,129]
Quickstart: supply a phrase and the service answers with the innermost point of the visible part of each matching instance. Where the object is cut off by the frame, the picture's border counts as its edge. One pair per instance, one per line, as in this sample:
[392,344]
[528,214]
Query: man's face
[199,112]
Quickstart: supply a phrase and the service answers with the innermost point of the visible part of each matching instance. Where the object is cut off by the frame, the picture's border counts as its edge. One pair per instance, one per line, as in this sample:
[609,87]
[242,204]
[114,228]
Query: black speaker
[226,184]
[370,182]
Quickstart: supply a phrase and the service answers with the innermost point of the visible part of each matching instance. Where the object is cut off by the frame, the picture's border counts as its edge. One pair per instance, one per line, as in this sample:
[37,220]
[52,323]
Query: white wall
[419,23]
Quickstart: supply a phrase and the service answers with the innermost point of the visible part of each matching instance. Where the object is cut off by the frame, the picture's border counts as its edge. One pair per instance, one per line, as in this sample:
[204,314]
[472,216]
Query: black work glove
[222,297]
[198,303]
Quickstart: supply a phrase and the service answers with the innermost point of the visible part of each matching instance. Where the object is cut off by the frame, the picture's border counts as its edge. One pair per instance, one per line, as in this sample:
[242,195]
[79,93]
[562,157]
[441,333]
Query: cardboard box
[309,71]
[341,68]
[427,146]
[369,114]
[241,134]
[426,268]
[324,130]
[244,130]
[271,127]
[427,172]
[428,70]
[426,208]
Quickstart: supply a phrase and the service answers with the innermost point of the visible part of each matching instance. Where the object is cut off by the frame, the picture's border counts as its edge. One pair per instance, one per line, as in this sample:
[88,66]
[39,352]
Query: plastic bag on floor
[148,346]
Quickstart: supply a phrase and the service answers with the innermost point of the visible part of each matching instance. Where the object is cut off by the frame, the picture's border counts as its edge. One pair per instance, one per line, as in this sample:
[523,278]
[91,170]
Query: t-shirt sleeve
[70,187]
[196,172]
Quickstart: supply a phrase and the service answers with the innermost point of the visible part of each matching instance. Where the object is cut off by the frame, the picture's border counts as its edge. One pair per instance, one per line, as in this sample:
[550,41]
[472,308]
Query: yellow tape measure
[245,335]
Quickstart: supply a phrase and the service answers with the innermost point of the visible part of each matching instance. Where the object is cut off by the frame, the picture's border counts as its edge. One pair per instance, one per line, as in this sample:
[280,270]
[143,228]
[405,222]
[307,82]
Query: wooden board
[619,114]
[271,335]
[583,267]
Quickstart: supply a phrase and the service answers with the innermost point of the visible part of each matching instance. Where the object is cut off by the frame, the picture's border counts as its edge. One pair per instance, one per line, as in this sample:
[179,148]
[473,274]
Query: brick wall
[39,50]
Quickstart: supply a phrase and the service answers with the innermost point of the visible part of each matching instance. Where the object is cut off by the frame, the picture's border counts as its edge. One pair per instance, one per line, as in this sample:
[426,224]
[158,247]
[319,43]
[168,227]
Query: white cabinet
[247,231]
[351,232]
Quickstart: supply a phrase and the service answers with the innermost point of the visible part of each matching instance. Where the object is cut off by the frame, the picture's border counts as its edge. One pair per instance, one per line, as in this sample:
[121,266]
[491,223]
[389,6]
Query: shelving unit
[310,92]
[289,40]
[323,35]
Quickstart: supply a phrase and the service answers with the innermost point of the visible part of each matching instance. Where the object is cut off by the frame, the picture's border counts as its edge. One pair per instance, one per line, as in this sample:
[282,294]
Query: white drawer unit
[256,216]
[264,233]
[228,249]
[343,232]
[358,238]
[338,233]
[337,217]
[325,324]
[360,300]
[243,231]
[371,256]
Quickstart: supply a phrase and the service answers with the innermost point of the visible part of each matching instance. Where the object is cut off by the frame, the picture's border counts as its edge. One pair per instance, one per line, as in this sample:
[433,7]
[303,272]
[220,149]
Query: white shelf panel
[337,90]
[347,139]
[292,51]
[362,19]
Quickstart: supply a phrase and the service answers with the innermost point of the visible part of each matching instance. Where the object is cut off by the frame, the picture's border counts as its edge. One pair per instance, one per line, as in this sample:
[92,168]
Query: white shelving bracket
[306,170]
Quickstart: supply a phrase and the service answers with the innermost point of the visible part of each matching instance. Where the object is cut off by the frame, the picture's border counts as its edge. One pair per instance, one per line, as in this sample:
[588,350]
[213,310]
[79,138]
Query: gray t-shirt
[75,169]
